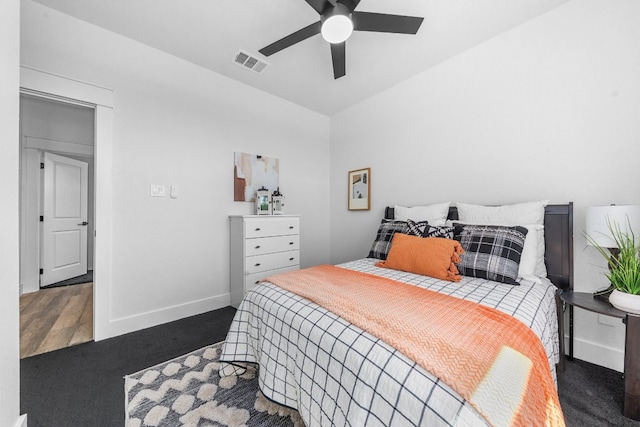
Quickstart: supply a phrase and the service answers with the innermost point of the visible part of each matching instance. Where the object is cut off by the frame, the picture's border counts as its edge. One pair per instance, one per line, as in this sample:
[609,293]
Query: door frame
[47,85]
[30,196]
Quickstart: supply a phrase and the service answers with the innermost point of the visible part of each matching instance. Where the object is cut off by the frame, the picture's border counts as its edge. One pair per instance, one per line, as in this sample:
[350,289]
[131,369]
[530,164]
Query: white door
[64,237]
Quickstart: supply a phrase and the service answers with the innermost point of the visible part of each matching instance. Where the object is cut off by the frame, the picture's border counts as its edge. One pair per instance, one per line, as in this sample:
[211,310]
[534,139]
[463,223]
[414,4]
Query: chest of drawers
[261,246]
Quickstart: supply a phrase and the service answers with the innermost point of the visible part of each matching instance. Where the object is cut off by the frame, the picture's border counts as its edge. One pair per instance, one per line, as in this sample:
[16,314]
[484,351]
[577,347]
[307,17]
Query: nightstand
[586,301]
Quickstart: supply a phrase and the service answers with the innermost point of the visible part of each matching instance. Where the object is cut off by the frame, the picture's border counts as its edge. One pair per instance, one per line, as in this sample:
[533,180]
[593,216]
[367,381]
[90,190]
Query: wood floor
[55,318]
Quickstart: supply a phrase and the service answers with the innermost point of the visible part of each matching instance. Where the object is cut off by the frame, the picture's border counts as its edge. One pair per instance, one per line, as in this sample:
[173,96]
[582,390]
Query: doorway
[56,227]
[47,85]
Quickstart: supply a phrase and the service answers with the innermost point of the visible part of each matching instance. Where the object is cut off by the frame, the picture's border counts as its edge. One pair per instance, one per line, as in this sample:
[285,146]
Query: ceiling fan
[338,19]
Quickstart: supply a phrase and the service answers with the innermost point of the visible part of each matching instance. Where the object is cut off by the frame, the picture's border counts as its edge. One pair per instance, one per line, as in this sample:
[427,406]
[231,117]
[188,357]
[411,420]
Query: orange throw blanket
[491,359]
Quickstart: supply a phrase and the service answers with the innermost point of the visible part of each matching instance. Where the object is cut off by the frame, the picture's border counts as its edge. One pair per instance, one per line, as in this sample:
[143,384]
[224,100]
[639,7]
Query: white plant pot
[625,302]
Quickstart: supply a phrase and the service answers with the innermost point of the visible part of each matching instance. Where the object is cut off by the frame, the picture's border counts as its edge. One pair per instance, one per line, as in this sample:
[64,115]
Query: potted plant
[624,268]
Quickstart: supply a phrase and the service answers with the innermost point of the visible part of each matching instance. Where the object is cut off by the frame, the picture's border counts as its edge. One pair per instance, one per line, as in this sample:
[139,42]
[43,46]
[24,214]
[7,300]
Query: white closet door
[64,238]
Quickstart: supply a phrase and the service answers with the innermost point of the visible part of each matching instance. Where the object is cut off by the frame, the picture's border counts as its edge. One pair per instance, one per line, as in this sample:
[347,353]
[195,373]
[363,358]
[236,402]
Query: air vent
[250,62]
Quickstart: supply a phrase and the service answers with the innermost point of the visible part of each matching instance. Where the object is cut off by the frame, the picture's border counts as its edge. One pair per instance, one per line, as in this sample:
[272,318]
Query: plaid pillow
[444,231]
[387,229]
[491,252]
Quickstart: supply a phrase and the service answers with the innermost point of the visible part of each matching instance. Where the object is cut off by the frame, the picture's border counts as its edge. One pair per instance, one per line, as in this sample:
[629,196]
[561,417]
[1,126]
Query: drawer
[258,263]
[266,245]
[271,226]
[252,280]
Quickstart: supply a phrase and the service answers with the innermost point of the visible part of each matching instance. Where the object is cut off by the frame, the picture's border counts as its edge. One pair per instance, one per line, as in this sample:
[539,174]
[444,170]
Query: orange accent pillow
[429,256]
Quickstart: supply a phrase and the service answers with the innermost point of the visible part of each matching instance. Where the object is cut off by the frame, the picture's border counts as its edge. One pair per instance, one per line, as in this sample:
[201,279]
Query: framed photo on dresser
[360,189]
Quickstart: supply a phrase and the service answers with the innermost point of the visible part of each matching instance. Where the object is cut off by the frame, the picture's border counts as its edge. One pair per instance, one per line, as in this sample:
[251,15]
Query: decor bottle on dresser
[261,246]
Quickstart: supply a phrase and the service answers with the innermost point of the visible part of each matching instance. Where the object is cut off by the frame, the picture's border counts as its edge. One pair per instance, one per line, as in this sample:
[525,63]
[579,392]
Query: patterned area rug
[188,391]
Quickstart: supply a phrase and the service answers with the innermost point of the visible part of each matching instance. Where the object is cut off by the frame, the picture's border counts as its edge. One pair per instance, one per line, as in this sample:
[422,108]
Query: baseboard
[597,354]
[148,319]
[21,421]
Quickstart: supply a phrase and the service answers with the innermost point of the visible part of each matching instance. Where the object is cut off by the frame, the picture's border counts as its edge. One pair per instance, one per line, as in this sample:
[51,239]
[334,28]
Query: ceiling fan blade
[384,23]
[350,4]
[292,39]
[338,57]
[319,5]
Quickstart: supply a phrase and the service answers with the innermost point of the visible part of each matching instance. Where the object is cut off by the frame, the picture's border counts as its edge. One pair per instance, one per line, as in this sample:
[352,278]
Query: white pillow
[532,260]
[434,214]
[516,214]
[541,268]
[529,215]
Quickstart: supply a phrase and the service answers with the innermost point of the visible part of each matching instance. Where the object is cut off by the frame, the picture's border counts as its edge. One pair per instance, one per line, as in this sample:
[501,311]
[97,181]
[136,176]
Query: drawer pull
[258,265]
[291,243]
[291,259]
[258,247]
[291,227]
[257,282]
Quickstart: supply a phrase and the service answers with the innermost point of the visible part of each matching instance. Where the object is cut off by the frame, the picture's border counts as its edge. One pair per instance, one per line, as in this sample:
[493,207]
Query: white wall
[9,104]
[548,110]
[178,124]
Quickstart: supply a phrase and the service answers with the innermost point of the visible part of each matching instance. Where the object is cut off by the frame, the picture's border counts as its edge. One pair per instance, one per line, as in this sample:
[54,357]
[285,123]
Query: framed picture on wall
[360,189]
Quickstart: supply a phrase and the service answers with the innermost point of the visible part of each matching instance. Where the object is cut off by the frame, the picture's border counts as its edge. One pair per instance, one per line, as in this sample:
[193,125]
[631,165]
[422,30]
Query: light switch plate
[157,190]
[173,191]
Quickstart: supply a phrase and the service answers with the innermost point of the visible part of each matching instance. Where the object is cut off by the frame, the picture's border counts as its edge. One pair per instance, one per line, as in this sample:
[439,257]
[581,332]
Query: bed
[336,373]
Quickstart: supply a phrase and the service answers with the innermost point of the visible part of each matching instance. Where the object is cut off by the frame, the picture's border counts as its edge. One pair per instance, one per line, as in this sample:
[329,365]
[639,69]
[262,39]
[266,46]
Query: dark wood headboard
[558,236]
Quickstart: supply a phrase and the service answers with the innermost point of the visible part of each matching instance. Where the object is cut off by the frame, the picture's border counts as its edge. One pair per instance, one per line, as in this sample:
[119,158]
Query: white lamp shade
[626,217]
[337,28]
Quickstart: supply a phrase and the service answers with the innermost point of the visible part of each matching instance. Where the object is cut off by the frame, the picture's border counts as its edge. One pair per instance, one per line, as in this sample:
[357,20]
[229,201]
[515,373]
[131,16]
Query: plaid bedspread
[336,374]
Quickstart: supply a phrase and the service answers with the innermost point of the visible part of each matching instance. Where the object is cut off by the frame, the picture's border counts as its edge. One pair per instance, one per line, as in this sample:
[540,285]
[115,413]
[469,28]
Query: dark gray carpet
[84,386]
[592,396]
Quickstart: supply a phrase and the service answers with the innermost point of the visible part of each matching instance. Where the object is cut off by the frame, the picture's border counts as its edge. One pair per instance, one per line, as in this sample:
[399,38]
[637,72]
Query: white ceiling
[210,33]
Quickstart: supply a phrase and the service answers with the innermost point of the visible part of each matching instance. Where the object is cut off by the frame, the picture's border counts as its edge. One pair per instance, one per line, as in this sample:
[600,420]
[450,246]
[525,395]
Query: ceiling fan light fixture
[338,20]
[337,25]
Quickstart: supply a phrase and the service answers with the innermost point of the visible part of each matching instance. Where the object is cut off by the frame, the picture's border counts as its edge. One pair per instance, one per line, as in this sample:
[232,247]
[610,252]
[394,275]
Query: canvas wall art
[251,172]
